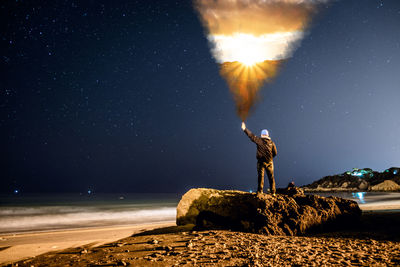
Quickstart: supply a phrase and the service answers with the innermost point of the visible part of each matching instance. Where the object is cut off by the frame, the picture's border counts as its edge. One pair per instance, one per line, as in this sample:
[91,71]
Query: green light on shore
[361,172]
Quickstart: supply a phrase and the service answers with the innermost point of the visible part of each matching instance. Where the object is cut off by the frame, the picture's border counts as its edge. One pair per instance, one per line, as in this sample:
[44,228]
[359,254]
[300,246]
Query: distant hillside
[359,179]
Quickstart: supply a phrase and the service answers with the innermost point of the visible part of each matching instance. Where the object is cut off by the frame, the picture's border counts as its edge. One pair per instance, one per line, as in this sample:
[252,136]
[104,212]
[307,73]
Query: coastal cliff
[358,180]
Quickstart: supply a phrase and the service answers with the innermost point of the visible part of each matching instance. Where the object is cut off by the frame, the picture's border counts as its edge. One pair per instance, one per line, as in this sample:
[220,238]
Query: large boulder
[387,185]
[290,213]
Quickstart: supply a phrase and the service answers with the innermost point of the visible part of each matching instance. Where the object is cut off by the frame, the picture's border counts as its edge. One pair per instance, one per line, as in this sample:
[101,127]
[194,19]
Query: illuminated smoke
[244,82]
[249,39]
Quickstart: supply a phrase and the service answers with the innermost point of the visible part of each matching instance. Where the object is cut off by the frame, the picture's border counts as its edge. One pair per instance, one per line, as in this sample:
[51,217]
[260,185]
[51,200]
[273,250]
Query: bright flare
[250,49]
[250,38]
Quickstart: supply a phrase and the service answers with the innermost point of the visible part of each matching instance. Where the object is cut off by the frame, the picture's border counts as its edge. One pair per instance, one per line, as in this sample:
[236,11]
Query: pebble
[189,244]
[122,263]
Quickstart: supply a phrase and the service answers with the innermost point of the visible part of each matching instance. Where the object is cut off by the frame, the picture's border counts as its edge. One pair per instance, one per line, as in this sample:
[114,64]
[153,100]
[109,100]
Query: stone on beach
[387,185]
[288,213]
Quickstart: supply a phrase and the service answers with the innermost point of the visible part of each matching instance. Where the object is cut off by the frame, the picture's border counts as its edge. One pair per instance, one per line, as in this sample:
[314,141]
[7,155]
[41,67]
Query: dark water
[34,212]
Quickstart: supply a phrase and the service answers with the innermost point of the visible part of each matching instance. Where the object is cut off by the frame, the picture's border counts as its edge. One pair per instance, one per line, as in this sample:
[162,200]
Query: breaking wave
[32,219]
[17,217]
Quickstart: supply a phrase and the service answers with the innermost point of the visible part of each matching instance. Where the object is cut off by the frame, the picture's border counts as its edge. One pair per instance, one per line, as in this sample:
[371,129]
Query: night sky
[124,96]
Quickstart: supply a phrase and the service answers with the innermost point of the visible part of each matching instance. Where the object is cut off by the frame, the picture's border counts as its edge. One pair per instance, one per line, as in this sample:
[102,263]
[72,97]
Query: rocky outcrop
[356,180]
[387,185]
[288,213]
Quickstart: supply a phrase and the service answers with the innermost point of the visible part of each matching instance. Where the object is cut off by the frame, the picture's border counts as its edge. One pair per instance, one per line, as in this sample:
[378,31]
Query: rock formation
[290,212]
[357,180]
[387,185]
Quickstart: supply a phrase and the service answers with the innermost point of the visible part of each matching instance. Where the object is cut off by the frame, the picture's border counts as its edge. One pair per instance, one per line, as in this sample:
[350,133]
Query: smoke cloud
[251,38]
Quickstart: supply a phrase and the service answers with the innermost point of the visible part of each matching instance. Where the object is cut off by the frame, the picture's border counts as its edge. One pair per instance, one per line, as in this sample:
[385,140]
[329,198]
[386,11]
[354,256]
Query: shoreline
[26,232]
[375,241]
[32,245]
[344,190]
[379,207]
[18,246]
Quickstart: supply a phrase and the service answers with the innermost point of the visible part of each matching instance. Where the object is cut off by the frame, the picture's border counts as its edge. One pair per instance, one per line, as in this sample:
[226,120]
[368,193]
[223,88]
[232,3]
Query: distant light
[16,191]
[360,196]
[251,191]
[89,191]
[395,171]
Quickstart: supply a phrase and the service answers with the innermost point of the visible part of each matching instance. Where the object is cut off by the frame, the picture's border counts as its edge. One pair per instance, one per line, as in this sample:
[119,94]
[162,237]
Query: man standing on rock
[266,151]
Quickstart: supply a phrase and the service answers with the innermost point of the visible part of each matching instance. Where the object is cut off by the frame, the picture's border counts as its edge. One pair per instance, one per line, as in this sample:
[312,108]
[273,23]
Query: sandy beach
[14,247]
[376,241]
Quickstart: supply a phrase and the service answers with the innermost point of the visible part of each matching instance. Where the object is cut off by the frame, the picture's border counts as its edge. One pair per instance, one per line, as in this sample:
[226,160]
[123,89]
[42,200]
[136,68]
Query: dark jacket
[266,149]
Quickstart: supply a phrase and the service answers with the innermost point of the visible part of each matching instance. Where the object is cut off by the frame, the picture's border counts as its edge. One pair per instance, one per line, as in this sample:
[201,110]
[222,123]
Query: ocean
[43,212]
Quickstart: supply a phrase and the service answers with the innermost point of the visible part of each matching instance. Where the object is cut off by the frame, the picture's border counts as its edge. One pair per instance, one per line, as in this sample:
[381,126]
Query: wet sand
[388,205]
[375,241]
[14,247]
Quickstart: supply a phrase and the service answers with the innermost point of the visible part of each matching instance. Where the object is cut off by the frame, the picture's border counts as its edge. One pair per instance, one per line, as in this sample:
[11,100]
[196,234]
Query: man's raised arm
[249,133]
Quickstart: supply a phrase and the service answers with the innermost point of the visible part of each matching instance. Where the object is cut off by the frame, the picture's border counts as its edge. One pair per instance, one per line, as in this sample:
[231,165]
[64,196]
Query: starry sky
[124,96]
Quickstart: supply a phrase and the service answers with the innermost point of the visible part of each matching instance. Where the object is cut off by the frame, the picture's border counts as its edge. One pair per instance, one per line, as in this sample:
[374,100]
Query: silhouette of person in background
[266,151]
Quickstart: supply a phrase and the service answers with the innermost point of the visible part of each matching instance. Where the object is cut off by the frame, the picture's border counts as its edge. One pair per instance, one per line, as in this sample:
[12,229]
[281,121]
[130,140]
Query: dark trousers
[263,167]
